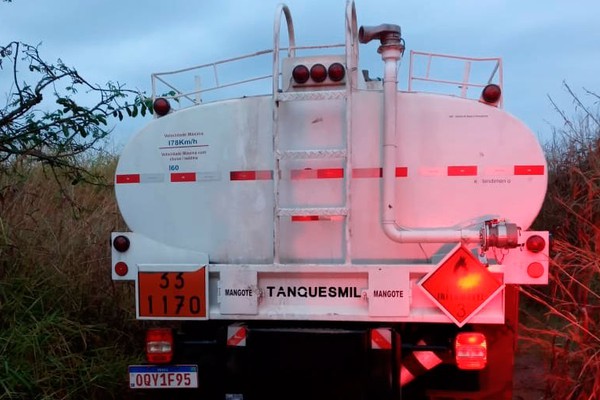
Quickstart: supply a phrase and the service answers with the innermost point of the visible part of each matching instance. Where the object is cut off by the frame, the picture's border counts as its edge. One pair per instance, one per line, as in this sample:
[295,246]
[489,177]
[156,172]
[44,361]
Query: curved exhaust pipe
[391,50]
[387,32]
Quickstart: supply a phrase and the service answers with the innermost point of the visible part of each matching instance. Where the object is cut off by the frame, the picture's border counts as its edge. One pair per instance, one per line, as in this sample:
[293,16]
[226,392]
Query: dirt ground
[529,377]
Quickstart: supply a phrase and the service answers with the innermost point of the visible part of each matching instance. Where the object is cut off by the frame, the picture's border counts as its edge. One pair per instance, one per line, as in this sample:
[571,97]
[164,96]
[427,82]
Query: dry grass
[65,330]
[564,319]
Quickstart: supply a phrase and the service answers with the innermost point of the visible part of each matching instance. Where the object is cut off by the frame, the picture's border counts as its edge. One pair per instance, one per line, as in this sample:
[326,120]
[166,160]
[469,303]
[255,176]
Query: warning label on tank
[182,150]
[495,180]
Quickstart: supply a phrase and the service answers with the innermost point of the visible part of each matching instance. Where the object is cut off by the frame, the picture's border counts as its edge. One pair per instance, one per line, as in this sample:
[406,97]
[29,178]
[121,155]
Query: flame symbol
[460,264]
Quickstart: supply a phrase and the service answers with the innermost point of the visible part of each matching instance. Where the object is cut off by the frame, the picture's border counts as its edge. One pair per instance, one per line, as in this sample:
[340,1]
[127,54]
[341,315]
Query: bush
[569,327]
[65,330]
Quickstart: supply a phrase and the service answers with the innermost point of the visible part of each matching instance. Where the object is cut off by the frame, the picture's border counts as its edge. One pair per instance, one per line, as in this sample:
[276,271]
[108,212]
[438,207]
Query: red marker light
[535,243]
[300,74]
[337,72]
[318,73]
[121,243]
[121,268]
[491,93]
[161,106]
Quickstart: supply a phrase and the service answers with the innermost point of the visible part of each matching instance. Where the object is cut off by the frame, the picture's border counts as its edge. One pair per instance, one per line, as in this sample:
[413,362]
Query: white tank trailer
[335,236]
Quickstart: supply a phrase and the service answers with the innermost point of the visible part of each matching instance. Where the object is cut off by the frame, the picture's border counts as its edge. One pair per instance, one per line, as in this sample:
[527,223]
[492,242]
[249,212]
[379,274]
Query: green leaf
[82,131]
[134,113]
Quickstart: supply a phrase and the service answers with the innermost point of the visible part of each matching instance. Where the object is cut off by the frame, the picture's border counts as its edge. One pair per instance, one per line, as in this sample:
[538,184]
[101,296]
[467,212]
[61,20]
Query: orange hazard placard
[461,285]
[172,294]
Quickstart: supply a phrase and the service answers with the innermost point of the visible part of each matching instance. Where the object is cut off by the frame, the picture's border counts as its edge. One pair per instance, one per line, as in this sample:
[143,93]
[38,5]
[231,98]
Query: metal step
[312,95]
[311,154]
[319,211]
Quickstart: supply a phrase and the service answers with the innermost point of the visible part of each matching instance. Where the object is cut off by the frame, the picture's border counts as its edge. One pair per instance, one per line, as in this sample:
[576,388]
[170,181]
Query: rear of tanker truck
[334,237]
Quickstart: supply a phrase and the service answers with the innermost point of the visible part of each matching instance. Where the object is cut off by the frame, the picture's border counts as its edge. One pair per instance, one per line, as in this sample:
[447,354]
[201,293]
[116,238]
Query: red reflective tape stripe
[251,175]
[529,170]
[183,177]
[239,336]
[330,173]
[304,218]
[401,172]
[462,170]
[242,175]
[367,172]
[325,173]
[128,178]
[379,340]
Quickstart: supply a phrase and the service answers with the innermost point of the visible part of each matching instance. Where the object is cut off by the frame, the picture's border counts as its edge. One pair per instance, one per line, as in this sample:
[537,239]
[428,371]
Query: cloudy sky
[542,43]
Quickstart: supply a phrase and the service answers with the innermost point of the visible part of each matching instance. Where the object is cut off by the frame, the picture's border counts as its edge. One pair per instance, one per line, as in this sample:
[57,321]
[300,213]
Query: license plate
[167,377]
[172,294]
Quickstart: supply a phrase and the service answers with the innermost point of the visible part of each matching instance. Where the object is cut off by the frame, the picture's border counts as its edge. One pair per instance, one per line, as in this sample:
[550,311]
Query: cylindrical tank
[202,178]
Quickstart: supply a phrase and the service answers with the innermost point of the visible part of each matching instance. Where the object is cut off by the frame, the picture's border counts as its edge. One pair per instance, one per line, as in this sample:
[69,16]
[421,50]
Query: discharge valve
[500,234]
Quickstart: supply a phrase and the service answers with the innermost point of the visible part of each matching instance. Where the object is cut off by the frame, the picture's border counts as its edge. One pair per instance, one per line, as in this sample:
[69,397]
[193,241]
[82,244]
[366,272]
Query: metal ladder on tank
[351,53]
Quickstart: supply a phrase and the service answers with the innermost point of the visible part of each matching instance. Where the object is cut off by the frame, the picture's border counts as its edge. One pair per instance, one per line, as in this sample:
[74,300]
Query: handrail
[351,44]
[158,76]
[281,9]
[465,84]
[160,80]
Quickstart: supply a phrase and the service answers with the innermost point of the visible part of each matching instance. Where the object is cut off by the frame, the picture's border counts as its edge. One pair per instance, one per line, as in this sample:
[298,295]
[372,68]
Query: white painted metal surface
[459,158]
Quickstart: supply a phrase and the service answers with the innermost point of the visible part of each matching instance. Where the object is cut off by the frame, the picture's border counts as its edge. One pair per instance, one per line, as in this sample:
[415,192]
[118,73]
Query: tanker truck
[330,236]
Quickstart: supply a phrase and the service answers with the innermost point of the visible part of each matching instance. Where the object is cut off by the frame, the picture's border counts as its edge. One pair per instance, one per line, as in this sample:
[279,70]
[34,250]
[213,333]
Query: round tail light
[121,268]
[161,106]
[491,93]
[318,73]
[337,72]
[121,243]
[535,243]
[535,270]
[300,74]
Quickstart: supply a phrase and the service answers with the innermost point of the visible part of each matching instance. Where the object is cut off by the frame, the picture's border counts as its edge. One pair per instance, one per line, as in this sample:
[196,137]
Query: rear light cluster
[318,73]
[121,244]
[470,350]
[159,345]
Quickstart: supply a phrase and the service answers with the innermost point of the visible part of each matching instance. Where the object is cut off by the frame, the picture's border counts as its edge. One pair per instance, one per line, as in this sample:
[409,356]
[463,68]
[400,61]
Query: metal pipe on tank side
[391,50]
